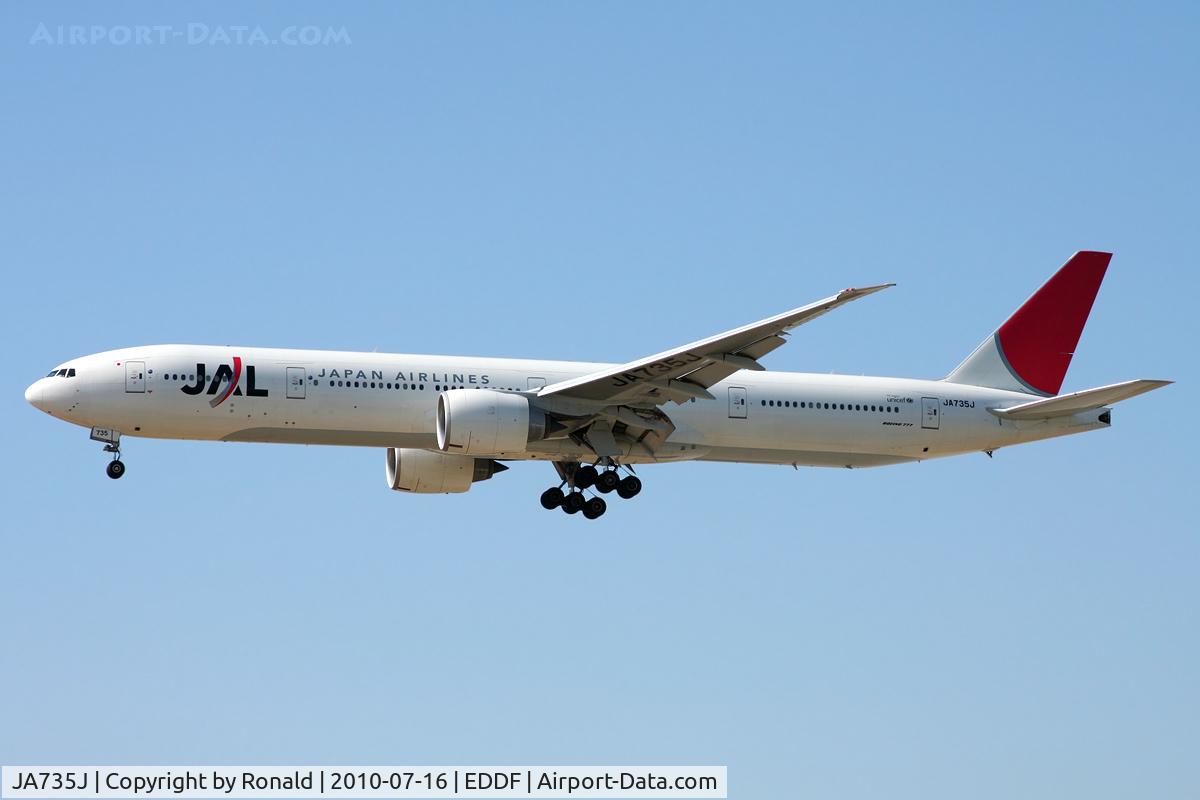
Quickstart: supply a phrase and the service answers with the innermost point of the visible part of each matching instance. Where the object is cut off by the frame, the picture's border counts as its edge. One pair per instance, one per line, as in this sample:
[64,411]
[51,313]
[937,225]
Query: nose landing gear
[116,467]
[112,444]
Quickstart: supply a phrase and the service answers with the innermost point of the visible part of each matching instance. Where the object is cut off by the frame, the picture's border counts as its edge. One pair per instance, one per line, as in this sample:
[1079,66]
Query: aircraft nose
[33,395]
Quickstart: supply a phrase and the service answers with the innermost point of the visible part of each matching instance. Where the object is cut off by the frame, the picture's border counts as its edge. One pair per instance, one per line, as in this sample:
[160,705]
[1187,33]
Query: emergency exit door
[929,413]
[296,381]
[135,376]
[737,402]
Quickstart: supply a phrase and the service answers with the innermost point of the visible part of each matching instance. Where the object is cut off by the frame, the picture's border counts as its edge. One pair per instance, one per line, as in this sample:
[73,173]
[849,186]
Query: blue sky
[601,182]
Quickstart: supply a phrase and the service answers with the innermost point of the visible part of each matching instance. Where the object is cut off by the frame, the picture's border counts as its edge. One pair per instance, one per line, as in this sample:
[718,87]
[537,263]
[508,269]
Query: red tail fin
[1032,349]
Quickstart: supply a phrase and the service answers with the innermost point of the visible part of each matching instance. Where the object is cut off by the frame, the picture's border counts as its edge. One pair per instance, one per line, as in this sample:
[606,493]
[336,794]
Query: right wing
[686,372]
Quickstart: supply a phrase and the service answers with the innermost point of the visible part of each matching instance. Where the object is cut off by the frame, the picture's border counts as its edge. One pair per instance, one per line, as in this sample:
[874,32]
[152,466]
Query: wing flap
[763,346]
[1086,400]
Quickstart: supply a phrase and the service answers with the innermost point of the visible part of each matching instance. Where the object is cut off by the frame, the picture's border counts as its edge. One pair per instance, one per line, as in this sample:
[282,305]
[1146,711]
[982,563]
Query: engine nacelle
[486,422]
[426,472]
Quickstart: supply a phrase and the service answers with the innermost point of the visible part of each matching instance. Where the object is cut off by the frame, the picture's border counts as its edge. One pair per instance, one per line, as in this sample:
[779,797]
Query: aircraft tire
[629,486]
[552,498]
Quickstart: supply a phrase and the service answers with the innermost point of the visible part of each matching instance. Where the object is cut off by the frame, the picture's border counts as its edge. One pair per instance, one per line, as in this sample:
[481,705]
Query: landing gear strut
[578,478]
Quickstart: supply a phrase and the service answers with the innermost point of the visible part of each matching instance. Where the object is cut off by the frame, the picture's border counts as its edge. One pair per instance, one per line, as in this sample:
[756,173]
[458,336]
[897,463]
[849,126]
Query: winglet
[853,292]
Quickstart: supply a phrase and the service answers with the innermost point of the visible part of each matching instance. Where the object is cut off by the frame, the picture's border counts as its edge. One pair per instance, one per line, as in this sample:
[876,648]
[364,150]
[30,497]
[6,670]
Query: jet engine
[486,422]
[426,472]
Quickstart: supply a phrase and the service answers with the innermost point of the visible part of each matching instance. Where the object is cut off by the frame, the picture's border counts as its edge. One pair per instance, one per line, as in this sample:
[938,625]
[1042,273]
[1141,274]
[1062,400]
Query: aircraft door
[297,380]
[135,376]
[737,402]
[929,413]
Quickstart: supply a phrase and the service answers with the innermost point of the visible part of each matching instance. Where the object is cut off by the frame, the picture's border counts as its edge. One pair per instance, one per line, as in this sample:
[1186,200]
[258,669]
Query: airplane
[447,422]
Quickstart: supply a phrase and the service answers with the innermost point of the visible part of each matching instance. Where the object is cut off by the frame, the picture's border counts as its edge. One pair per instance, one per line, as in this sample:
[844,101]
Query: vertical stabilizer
[1031,351]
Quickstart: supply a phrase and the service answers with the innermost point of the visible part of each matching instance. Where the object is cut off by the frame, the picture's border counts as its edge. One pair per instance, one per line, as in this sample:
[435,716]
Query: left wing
[686,372]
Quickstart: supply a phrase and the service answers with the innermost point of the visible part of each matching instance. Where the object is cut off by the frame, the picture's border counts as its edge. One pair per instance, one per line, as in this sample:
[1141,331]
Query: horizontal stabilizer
[1068,404]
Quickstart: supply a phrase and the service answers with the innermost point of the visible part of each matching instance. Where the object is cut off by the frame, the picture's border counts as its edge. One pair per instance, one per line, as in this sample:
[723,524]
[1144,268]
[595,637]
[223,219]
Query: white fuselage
[390,400]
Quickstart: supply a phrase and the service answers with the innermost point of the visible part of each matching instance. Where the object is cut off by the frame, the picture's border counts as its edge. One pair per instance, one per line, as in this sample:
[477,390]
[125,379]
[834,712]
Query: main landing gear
[578,479]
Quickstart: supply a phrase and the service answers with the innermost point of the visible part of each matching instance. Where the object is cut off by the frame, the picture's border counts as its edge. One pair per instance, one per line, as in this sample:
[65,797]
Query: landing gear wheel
[552,498]
[585,477]
[629,486]
[573,503]
[115,469]
[607,481]
[594,508]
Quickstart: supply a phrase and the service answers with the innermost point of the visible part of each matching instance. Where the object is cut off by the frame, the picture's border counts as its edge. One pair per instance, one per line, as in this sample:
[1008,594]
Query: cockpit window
[52,373]
[71,372]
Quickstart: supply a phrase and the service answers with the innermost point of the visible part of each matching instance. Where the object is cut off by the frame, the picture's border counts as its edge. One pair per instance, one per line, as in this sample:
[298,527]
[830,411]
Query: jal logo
[231,377]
